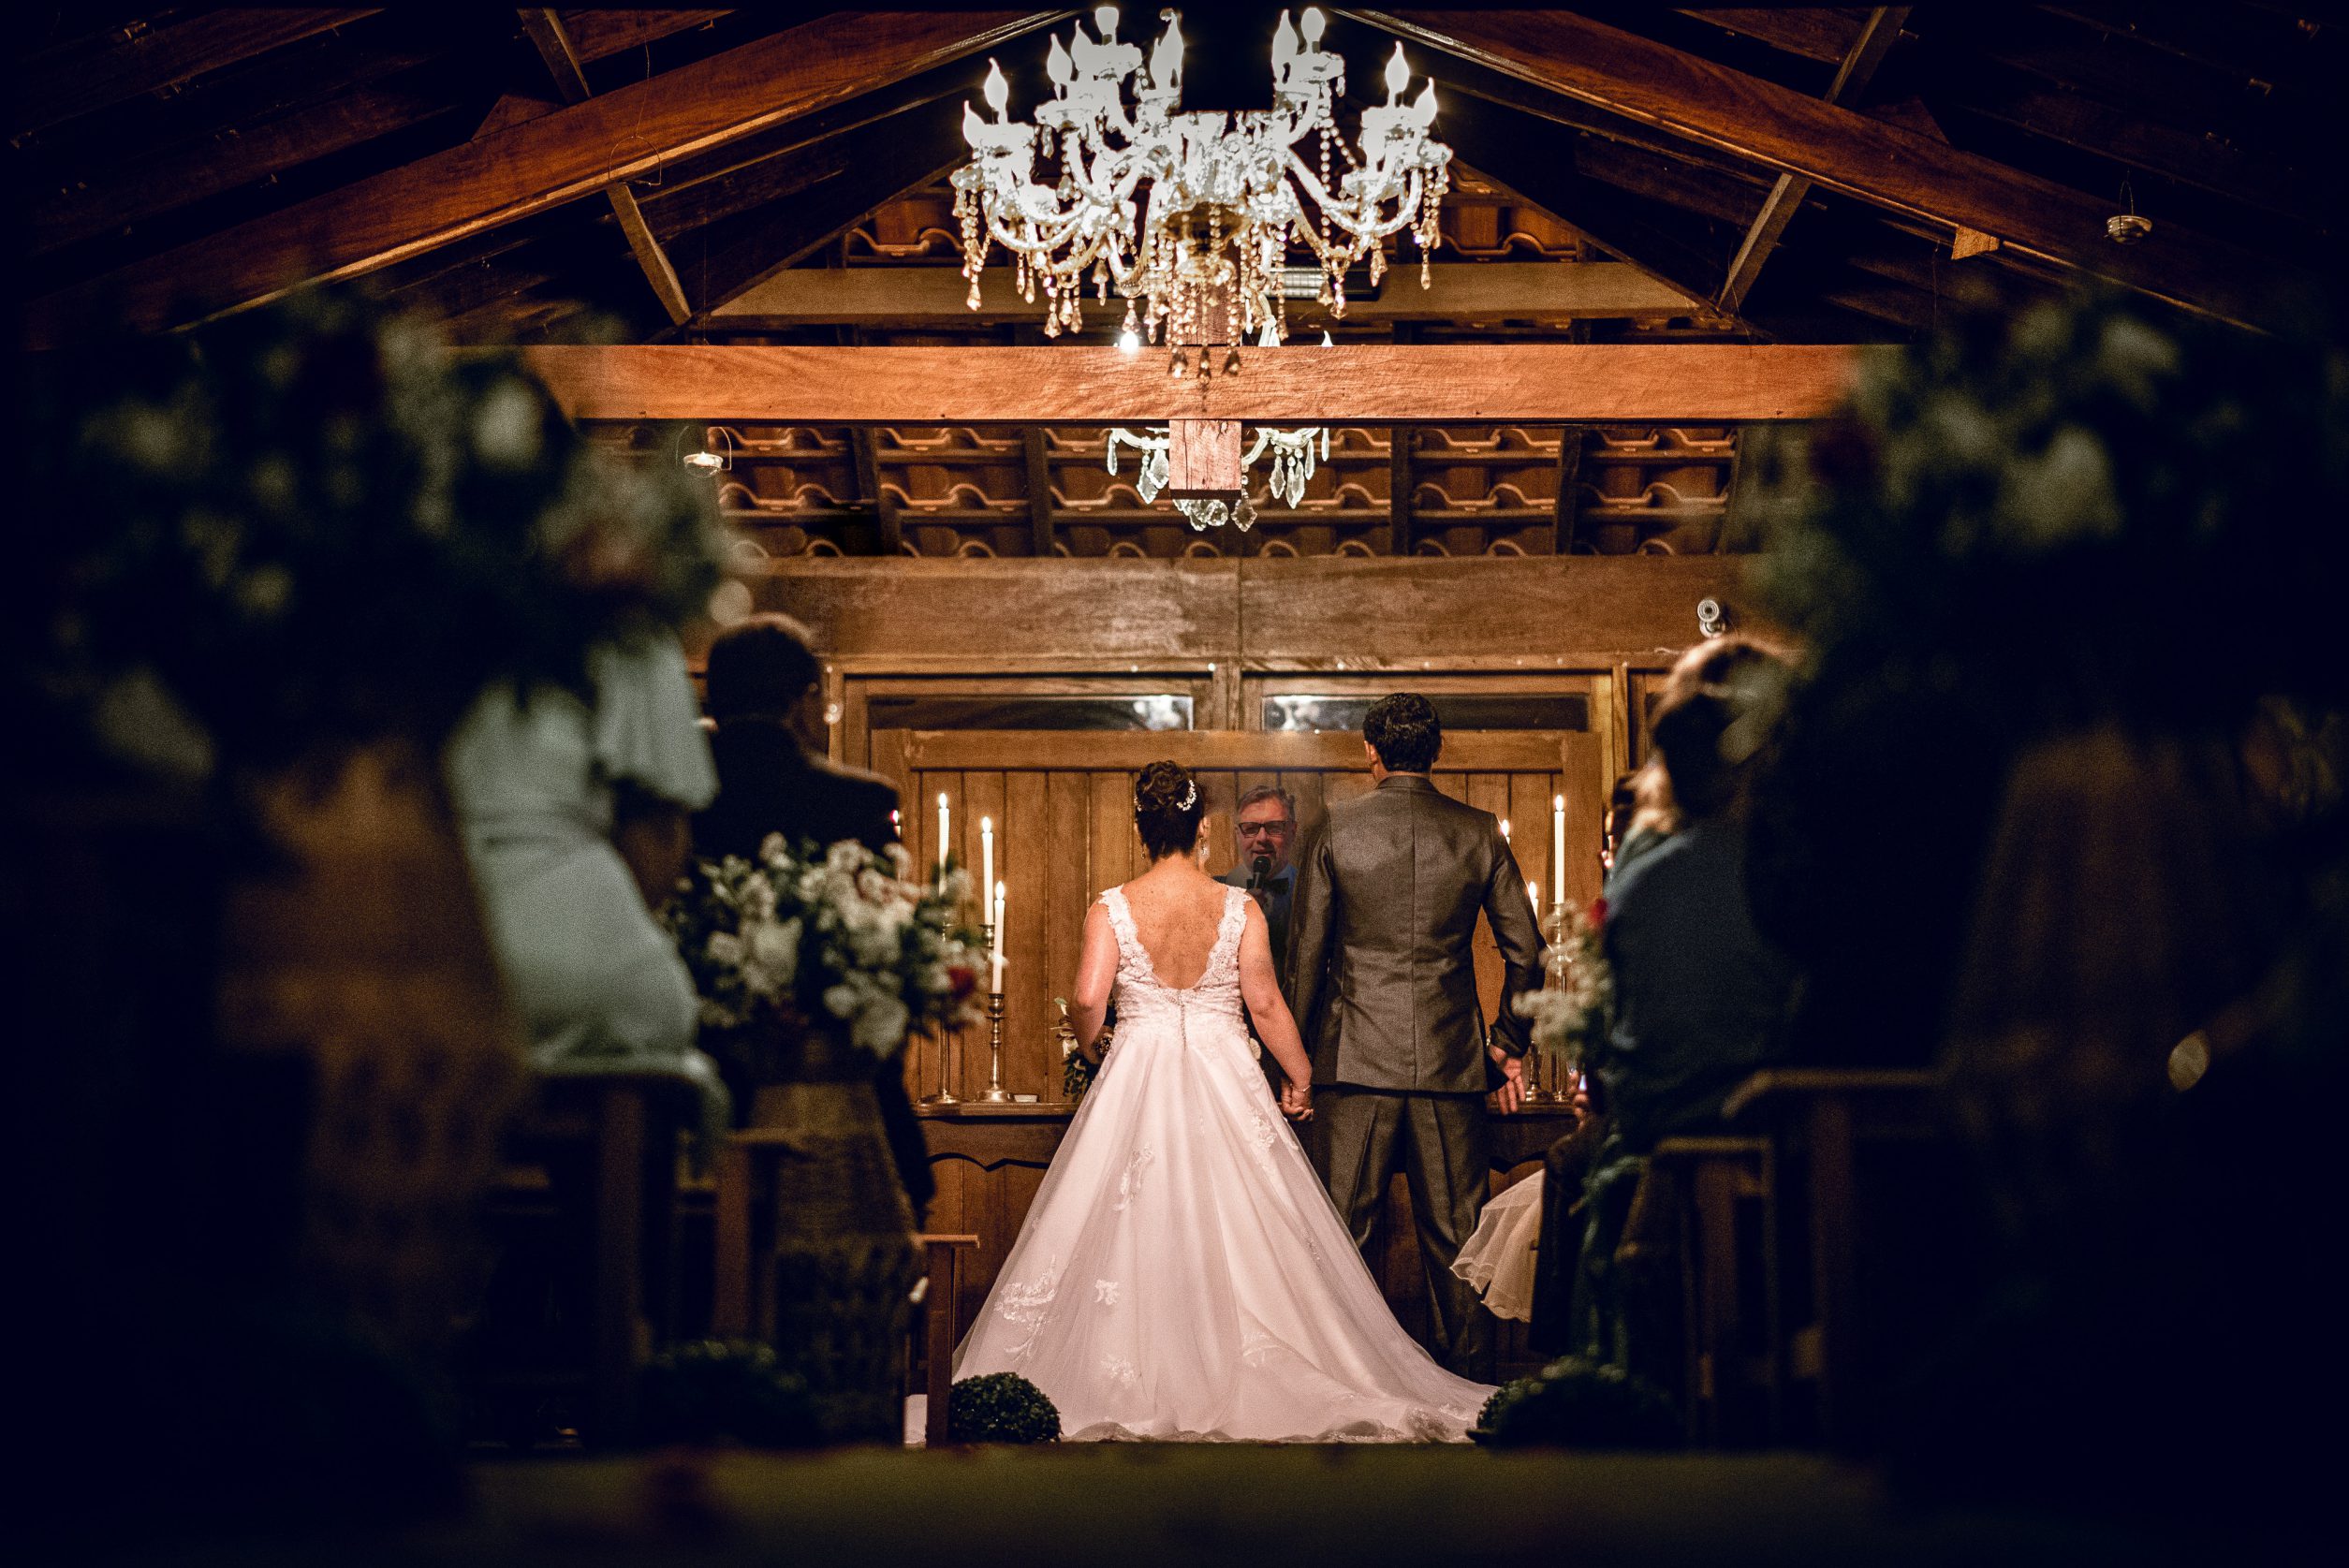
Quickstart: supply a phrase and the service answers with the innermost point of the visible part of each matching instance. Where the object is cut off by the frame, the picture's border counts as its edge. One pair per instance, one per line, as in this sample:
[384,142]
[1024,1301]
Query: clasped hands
[1296,1100]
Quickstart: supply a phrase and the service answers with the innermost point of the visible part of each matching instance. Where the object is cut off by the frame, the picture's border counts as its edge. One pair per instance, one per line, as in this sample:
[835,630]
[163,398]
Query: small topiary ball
[1001,1407]
[714,1389]
[1578,1403]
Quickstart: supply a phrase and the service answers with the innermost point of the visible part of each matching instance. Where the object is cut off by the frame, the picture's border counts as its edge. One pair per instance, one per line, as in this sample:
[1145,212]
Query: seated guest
[573,819]
[1715,662]
[1700,995]
[765,691]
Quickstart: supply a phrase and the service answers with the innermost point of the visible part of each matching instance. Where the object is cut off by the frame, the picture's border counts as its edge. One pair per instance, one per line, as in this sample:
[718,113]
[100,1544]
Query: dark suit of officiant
[1383,978]
[767,783]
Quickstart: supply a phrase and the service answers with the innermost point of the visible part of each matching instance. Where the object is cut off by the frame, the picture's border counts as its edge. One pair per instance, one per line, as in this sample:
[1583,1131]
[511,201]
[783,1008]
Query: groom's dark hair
[1405,733]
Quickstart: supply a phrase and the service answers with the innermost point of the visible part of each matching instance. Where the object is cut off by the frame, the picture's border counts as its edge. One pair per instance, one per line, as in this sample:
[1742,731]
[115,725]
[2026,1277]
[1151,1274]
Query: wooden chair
[1704,1181]
[736,1307]
[622,1127]
[1816,1121]
[938,1292]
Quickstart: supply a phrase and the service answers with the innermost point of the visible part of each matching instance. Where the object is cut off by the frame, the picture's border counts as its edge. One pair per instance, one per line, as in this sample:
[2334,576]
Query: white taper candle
[942,834]
[987,851]
[1558,846]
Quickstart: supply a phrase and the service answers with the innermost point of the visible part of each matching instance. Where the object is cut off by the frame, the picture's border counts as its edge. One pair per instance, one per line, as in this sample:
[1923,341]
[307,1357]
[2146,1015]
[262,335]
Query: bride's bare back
[1178,912]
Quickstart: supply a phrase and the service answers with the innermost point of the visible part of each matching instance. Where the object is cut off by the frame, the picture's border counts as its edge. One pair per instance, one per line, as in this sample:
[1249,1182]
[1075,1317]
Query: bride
[1182,1273]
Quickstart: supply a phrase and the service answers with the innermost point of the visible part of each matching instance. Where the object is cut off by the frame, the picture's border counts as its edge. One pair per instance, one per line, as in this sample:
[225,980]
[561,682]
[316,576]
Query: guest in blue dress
[574,816]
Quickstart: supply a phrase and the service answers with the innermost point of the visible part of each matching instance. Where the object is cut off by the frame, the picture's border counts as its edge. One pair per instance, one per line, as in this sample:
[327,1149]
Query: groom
[1384,990]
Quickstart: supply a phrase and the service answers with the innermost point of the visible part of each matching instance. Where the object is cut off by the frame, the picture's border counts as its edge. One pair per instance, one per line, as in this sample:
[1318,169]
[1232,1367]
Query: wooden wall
[1252,613]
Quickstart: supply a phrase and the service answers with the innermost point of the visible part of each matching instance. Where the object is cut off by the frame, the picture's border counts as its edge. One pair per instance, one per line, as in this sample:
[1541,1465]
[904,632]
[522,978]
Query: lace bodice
[1140,994]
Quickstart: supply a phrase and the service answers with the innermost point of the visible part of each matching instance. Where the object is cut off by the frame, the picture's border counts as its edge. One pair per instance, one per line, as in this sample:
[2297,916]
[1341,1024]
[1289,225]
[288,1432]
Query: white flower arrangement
[839,933]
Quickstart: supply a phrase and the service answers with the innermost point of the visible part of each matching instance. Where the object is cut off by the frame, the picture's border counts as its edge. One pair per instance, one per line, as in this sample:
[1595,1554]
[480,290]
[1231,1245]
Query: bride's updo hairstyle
[1166,809]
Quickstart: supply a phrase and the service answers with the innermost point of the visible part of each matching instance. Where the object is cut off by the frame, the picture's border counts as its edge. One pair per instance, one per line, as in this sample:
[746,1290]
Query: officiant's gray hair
[1269,792]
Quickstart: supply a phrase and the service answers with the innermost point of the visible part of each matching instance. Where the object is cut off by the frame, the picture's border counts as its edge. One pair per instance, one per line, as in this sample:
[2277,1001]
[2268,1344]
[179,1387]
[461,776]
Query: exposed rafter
[553,43]
[528,168]
[1876,39]
[1573,56]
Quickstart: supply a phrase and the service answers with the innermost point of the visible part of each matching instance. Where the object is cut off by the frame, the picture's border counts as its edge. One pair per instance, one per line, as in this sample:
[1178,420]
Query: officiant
[1264,831]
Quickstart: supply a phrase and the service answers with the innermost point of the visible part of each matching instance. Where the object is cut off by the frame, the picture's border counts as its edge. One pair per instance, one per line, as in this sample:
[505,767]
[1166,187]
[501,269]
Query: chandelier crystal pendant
[1227,195]
[1292,463]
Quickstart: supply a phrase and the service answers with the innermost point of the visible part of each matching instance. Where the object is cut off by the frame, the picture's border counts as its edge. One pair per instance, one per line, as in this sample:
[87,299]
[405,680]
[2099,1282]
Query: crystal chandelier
[1228,192]
[1293,462]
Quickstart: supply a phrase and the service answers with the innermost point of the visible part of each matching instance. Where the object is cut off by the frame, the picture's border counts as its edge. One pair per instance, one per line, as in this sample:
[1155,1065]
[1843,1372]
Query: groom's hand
[1297,1101]
[1511,1094]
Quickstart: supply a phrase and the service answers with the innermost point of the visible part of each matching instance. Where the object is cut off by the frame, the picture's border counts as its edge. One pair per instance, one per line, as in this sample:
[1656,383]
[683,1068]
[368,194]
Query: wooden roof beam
[1366,384]
[1876,39]
[57,85]
[1479,291]
[527,168]
[1574,57]
[547,35]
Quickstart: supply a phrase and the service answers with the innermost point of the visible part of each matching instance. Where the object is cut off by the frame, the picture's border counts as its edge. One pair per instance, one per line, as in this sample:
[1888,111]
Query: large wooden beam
[1548,383]
[529,168]
[1573,56]
[553,42]
[1458,291]
[56,85]
[1876,39]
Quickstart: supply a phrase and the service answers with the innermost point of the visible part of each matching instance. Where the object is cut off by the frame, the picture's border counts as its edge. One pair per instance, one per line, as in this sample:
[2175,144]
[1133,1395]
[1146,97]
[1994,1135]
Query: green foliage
[1578,1403]
[1001,1407]
[2072,506]
[312,525]
[714,1390]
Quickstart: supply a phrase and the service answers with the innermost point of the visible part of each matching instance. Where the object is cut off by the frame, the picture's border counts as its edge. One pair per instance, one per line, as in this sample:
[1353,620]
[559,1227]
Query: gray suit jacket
[1382,974]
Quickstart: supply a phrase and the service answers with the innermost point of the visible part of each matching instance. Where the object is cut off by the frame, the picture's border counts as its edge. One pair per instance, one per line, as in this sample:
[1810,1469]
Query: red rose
[1598,914]
[962,980]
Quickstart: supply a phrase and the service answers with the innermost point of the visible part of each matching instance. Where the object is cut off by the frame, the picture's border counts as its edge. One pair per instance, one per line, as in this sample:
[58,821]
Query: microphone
[1259,873]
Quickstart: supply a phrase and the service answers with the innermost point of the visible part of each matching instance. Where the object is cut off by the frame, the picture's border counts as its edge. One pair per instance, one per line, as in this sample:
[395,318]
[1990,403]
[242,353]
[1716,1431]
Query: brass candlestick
[996,1093]
[950,1049]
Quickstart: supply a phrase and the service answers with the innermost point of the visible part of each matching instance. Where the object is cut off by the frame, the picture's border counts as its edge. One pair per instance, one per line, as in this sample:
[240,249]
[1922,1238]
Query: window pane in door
[1566,710]
[1011,710]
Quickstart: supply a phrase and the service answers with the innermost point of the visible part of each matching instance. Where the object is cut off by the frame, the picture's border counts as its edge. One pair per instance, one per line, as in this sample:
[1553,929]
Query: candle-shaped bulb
[1423,108]
[1283,46]
[1105,20]
[1166,58]
[1327,341]
[999,91]
[1398,74]
[1059,66]
[1312,24]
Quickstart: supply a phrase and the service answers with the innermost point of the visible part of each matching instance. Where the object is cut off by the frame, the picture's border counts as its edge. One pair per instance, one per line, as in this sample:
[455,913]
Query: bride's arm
[1260,988]
[1096,973]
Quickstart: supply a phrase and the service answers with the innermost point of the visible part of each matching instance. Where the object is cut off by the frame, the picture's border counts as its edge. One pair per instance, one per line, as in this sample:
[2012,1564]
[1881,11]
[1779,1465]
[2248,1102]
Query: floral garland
[1569,1013]
[839,934]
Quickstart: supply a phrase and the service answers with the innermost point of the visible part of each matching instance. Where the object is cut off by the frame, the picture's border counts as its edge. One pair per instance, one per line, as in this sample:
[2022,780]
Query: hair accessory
[1190,796]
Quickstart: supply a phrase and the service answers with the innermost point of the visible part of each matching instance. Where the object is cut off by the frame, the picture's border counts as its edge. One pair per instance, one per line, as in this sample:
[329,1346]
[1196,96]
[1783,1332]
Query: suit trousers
[1441,1143]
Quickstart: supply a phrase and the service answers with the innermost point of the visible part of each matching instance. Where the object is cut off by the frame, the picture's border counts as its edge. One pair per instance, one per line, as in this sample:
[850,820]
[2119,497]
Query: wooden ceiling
[1802,172]
[1626,173]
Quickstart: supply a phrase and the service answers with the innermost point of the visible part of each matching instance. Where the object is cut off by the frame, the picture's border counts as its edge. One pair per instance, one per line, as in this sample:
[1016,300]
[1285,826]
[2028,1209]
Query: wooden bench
[1817,1120]
[1688,1198]
[625,1124]
[738,1310]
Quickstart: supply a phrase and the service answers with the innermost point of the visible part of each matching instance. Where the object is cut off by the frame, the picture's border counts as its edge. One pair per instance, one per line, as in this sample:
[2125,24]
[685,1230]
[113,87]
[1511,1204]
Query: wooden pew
[941,1331]
[1688,1199]
[1817,1120]
[625,1124]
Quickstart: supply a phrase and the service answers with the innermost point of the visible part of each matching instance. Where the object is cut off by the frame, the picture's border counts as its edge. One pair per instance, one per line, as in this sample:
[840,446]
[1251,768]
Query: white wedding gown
[1182,1274]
